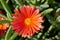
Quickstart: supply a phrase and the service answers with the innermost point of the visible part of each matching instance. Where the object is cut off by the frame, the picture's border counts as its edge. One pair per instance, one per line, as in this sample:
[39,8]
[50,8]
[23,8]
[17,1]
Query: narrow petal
[33,9]
[17,12]
[40,19]
[37,16]
[33,30]
[21,31]
[28,10]
[24,34]
[36,27]
[35,12]
[23,11]
[30,31]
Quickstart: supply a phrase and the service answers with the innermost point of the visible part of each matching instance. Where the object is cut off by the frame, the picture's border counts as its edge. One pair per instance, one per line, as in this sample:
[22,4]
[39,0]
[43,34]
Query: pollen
[27,21]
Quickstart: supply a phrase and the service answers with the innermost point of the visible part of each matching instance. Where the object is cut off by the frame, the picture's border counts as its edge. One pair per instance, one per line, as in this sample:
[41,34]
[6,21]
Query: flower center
[27,21]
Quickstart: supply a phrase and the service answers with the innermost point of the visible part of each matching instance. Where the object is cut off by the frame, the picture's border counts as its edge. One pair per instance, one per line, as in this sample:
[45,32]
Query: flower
[27,21]
[3,27]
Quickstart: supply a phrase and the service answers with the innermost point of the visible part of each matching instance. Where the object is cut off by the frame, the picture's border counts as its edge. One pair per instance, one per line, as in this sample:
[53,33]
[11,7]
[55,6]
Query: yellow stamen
[27,21]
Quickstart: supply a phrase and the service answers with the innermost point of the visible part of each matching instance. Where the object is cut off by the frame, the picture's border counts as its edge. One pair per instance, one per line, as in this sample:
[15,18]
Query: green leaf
[46,11]
[7,1]
[39,35]
[58,10]
[13,36]
[27,1]
[33,1]
[8,34]
[57,26]
[42,1]
[4,21]
[7,9]
[57,37]
[50,28]
[3,16]
[58,19]
[18,2]
[50,18]
[1,6]
[44,6]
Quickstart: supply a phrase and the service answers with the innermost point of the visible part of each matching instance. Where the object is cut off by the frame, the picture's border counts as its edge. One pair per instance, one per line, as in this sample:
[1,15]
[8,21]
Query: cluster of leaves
[48,8]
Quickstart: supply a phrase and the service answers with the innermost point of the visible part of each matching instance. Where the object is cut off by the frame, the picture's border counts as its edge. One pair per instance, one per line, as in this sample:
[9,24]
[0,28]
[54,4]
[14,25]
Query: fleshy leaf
[7,9]
[45,12]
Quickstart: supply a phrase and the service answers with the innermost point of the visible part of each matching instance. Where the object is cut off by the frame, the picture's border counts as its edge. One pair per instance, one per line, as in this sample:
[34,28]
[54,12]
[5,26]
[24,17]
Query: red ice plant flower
[3,27]
[27,21]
